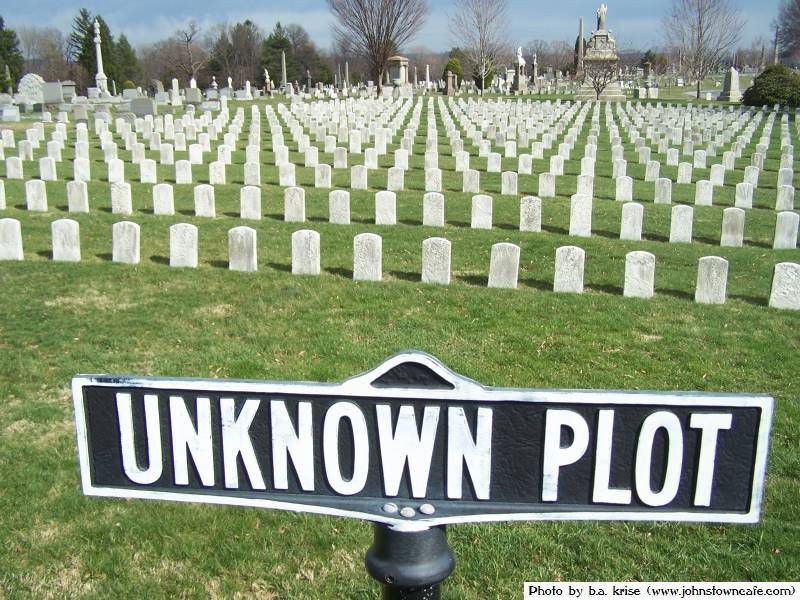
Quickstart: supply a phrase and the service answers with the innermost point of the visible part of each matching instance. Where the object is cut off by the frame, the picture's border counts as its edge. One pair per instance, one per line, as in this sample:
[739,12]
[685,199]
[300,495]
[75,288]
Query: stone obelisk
[775,49]
[427,76]
[100,78]
[346,74]
[283,69]
[580,45]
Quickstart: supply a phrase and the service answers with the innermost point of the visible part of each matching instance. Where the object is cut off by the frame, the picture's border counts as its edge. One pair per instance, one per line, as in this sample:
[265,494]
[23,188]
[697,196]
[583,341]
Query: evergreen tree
[127,64]
[301,56]
[81,46]
[455,62]
[9,55]
[277,42]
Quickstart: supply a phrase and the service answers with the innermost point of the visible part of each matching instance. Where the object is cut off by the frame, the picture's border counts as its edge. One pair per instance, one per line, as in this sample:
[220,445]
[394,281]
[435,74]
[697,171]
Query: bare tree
[705,31]
[599,72]
[45,50]
[789,29]
[193,56]
[480,28]
[377,28]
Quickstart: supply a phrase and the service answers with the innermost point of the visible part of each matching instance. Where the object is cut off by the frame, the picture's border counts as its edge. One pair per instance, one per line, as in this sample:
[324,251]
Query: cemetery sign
[411,442]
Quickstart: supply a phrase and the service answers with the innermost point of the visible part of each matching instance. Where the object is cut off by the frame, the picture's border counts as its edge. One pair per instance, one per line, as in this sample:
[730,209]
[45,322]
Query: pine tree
[9,55]
[81,46]
[127,64]
[277,42]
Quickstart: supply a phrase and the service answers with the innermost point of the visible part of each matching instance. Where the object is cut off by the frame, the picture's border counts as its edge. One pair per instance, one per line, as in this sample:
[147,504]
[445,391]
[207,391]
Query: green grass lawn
[101,317]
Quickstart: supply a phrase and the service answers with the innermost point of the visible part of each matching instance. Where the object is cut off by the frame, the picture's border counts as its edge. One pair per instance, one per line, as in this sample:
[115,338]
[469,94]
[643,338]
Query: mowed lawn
[96,316]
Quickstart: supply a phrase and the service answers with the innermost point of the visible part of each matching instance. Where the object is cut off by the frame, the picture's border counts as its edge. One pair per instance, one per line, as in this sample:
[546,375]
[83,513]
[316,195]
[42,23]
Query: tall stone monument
[520,84]
[730,88]
[100,78]
[601,64]
[283,69]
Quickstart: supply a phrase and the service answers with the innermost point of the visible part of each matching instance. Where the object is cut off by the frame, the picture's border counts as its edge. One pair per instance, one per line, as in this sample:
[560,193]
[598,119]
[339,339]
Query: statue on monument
[520,59]
[601,17]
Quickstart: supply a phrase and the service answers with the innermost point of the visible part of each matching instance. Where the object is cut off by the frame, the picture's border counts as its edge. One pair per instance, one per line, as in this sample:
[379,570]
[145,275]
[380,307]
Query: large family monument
[601,64]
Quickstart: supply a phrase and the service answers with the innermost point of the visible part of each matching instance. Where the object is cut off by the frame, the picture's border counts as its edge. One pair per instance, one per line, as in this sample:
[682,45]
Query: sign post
[413,446]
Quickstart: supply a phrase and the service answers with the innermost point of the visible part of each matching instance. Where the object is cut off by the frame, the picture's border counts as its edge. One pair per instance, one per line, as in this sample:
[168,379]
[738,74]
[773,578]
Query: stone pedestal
[730,87]
[601,55]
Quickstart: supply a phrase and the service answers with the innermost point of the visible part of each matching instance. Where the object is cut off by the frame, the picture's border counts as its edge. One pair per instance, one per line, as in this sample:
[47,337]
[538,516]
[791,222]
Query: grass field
[101,317]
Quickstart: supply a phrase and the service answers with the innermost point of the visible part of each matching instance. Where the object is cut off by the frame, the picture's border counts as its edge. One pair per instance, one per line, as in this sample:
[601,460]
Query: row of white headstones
[639,279]
[395,179]
[732,229]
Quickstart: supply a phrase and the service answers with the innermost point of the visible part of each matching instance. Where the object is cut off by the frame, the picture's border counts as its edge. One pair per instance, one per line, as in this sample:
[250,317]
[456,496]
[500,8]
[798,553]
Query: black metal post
[410,565]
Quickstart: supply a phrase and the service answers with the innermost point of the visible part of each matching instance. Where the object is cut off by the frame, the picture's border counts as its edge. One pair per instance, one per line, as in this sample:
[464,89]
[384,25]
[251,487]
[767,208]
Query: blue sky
[635,23]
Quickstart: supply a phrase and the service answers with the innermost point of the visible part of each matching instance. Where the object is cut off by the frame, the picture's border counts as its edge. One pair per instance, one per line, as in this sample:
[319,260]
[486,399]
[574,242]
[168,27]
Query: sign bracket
[410,564]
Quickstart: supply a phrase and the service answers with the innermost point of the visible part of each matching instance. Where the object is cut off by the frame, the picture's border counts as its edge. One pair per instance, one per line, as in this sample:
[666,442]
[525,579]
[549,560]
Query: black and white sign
[413,442]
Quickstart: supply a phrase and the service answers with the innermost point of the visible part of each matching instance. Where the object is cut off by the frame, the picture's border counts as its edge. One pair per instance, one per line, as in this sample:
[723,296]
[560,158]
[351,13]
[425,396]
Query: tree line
[366,34]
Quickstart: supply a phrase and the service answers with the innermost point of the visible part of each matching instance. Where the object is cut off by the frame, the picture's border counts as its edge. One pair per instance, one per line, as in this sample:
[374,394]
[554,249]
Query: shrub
[128,85]
[454,65]
[776,85]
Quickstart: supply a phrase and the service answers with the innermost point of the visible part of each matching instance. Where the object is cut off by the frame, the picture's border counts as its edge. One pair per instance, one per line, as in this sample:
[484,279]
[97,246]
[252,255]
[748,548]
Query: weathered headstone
[569,270]
[732,227]
[322,176]
[712,280]
[395,179]
[663,190]
[508,183]
[36,195]
[624,189]
[481,212]
[66,240]
[436,261]
[10,240]
[786,227]
[204,201]
[294,204]
[530,214]
[47,169]
[785,292]
[358,177]
[385,208]
[471,181]
[580,215]
[703,193]
[77,197]
[183,172]
[433,180]
[163,199]
[286,176]
[504,265]
[680,229]
[631,222]
[367,257]
[183,245]
[125,242]
[339,207]
[305,252]
[785,198]
[547,185]
[242,252]
[252,173]
[250,202]
[433,209]
[744,195]
[640,272]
